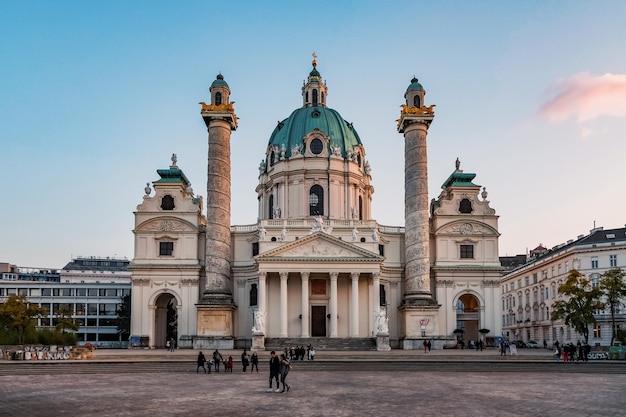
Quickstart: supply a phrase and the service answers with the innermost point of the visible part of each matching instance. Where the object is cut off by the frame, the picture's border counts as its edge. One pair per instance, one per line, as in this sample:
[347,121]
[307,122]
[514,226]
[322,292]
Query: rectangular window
[81,309]
[92,309]
[108,309]
[92,292]
[597,333]
[35,292]
[594,262]
[81,292]
[11,291]
[166,248]
[92,322]
[526,282]
[547,293]
[467,251]
[613,260]
[255,248]
[22,291]
[534,278]
[519,284]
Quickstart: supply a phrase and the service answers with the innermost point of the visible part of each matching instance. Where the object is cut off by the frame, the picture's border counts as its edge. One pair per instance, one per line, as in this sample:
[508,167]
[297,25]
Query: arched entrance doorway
[468,317]
[165,320]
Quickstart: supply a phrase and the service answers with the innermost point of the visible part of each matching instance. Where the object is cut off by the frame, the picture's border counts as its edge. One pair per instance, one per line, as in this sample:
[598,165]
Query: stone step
[322,343]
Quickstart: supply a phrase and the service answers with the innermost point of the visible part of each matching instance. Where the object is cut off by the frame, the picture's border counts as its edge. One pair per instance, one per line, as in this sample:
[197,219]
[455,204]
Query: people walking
[229,365]
[217,360]
[172,344]
[255,362]
[285,366]
[201,362]
[274,371]
[245,360]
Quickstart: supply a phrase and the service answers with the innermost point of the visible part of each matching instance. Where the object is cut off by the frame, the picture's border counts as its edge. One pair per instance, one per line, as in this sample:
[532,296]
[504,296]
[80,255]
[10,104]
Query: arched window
[383,296]
[218,99]
[167,202]
[272,156]
[271,206]
[323,98]
[360,208]
[416,101]
[465,206]
[316,201]
[306,97]
[460,308]
[253,295]
[315,97]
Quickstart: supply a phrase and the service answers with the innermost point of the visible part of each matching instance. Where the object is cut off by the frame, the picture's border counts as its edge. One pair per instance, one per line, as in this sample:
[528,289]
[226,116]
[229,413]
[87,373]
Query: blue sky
[96,96]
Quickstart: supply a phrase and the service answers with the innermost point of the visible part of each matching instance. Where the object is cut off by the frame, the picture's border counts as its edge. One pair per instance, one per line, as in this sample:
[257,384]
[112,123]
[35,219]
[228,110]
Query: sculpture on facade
[375,236]
[277,212]
[457,163]
[381,320]
[262,166]
[283,152]
[259,322]
[354,234]
[367,168]
[261,233]
[147,190]
[296,150]
[283,234]
[174,160]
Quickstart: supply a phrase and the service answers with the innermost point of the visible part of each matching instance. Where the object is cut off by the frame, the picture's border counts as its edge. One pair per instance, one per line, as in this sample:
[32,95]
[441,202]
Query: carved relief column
[333,304]
[283,304]
[354,306]
[220,120]
[414,123]
[262,293]
[305,304]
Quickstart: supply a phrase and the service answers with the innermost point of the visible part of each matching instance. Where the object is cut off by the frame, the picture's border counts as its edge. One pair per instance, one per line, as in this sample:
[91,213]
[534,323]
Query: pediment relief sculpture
[166,225]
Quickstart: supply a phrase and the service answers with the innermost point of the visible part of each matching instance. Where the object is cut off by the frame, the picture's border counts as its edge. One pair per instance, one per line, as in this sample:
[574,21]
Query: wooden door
[318,321]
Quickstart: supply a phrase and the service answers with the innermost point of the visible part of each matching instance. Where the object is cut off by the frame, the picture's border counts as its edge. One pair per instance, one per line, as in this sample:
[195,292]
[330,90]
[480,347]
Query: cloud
[586,97]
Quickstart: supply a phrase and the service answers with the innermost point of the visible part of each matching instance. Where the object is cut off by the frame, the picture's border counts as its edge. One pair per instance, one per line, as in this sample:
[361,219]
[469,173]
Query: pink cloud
[585,97]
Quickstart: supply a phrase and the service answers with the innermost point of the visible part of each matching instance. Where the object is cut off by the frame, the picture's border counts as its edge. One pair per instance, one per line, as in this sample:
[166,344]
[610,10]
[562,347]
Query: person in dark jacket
[217,360]
[245,360]
[201,362]
[274,371]
[254,359]
[285,366]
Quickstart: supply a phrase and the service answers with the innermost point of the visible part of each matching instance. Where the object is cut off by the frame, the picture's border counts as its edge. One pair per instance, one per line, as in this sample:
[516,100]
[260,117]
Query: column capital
[262,275]
[333,275]
[355,275]
[284,276]
[376,275]
[305,275]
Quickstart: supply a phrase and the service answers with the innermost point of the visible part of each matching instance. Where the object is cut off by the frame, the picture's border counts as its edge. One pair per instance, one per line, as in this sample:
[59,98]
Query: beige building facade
[315,267]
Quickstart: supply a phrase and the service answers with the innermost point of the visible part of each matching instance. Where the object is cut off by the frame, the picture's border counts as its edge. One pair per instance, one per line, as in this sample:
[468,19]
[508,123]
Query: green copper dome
[219,82]
[302,121]
[414,86]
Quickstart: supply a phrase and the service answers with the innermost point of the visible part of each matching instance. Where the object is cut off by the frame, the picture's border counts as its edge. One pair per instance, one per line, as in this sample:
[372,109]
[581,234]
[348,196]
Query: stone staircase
[322,343]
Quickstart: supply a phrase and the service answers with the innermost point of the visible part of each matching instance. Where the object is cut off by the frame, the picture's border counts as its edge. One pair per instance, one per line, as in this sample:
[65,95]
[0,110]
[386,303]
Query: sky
[96,96]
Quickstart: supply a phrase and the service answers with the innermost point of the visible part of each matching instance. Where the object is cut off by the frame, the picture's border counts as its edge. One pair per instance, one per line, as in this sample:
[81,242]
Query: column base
[213,342]
[215,321]
[417,323]
[382,342]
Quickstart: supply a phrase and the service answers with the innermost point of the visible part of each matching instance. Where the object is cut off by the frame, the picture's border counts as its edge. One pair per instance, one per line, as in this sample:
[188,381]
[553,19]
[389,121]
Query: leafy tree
[65,321]
[581,303]
[17,314]
[613,289]
[123,317]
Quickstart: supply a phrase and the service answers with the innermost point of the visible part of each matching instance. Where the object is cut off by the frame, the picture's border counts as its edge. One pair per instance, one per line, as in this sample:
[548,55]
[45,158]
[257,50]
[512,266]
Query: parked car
[532,344]
[519,344]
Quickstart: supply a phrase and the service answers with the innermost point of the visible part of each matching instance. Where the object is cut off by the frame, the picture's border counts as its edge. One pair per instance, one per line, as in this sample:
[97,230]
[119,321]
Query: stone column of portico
[305,304]
[354,306]
[262,293]
[333,304]
[376,296]
[283,304]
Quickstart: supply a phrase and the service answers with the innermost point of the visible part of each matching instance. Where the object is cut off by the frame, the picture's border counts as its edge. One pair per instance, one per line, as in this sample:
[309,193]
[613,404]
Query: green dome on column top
[219,82]
[414,85]
[303,121]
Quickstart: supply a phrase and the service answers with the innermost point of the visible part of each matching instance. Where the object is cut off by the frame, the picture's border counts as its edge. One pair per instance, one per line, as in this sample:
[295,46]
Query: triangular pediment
[319,246]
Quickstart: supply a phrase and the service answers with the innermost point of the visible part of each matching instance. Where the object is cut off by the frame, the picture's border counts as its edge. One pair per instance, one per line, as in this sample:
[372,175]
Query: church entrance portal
[165,320]
[318,321]
[468,317]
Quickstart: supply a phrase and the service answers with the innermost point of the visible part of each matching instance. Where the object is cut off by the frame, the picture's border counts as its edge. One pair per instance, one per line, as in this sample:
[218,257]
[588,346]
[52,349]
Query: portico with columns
[319,286]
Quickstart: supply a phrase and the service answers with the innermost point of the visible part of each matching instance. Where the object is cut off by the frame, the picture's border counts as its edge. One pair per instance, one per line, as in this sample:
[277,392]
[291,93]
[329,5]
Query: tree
[17,314]
[613,289]
[581,303]
[65,321]
[123,317]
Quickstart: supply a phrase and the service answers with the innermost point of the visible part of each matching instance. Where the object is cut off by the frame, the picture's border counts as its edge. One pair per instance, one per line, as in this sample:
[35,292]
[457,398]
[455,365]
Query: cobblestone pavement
[323,393]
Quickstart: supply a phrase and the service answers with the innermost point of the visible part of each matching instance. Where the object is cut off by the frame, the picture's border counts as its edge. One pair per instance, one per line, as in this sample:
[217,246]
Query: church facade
[315,267]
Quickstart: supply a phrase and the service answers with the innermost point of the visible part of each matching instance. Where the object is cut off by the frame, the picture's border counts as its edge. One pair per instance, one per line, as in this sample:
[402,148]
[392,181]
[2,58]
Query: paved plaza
[367,390]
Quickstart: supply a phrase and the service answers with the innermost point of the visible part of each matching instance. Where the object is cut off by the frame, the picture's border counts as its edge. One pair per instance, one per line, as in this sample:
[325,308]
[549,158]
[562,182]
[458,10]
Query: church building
[315,268]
